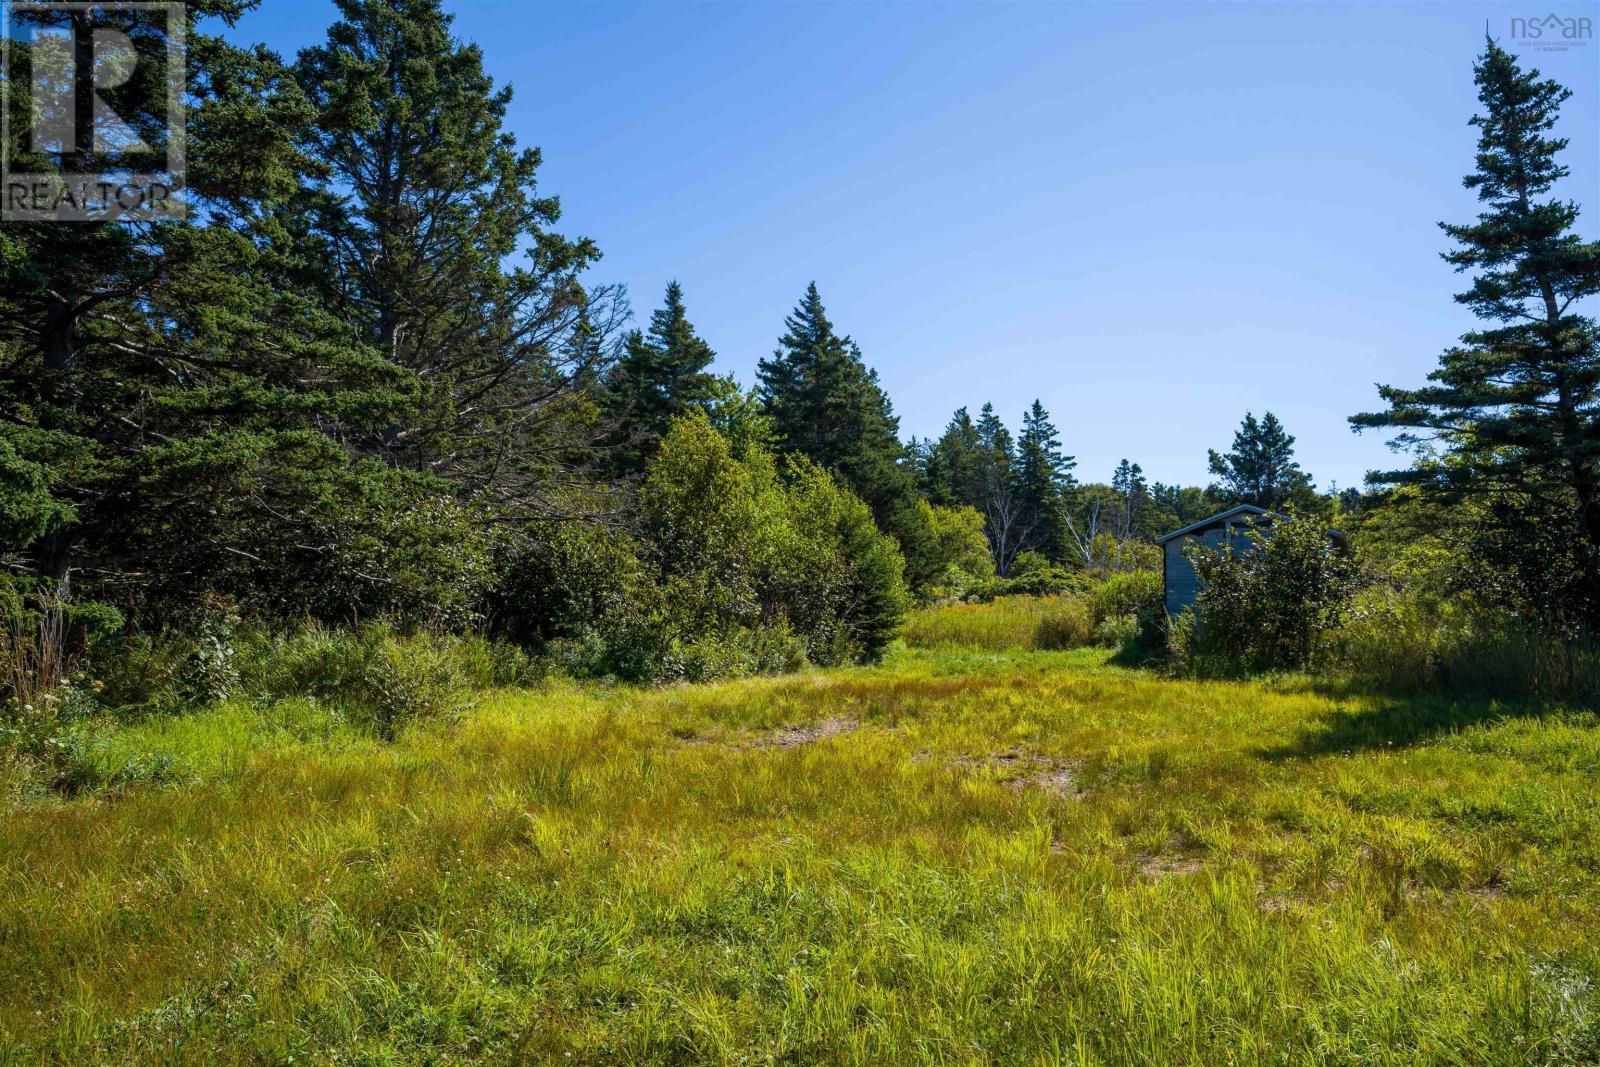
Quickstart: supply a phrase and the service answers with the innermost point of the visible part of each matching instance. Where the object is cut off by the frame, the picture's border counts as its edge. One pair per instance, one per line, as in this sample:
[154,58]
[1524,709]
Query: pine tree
[424,198]
[1511,422]
[1133,496]
[660,376]
[1260,468]
[173,401]
[1043,478]
[998,499]
[952,472]
[826,404]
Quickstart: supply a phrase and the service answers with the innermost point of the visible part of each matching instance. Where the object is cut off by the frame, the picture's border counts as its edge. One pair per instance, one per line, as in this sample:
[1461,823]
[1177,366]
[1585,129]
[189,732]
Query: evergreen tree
[659,377]
[423,199]
[952,473]
[1260,468]
[998,498]
[173,403]
[1133,496]
[1043,479]
[1511,422]
[826,404]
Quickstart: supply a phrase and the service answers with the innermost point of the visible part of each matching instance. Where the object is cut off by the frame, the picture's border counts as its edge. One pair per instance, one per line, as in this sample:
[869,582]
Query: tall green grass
[1015,858]
[1014,622]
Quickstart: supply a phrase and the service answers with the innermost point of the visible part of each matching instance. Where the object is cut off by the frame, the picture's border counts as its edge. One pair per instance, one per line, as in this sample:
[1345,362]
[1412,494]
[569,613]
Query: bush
[962,543]
[1118,631]
[739,549]
[1269,605]
[1136,593]
[379,677]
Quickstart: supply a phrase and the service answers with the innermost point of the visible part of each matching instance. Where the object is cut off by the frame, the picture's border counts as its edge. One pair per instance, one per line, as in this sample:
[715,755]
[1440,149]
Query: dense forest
[369,383]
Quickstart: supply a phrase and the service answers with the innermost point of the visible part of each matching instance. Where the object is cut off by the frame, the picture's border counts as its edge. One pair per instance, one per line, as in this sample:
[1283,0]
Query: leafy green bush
[1137,593]
[1118,631]
[380,677]
[1268,605]
[961,542]
[738,548]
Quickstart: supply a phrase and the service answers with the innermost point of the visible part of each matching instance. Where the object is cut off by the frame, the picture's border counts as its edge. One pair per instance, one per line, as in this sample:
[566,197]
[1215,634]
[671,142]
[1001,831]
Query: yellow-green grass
[1021,857]
[1013,622]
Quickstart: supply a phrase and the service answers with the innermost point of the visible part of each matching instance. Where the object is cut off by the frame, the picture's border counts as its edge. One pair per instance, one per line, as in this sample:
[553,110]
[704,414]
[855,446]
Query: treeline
[370,379]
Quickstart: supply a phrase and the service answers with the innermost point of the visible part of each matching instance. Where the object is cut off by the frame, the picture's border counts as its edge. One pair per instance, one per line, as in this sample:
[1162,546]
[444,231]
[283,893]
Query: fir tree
[827,405]
[1260,468]
[1000,504]
[660,376]
[1511,422]
[1133,496]
[953,470]
[173,402]
[1043,479]
[424,198]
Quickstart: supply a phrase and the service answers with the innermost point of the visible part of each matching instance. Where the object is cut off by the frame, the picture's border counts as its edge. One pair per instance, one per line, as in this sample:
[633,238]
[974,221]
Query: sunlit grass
[1014,622]
[1010,857]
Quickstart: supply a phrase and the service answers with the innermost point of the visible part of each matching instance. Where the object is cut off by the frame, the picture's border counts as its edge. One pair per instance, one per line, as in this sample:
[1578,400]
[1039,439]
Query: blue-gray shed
[1225,529]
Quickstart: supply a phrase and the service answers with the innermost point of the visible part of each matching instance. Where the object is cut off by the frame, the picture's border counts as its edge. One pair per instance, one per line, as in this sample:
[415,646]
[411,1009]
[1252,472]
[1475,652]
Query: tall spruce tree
[1133,496]
[952,474]
[1511,423]
[1000,504]
[423,201]
[173,405]
[1043,479]
[1260,468]
[659,377]
[825,403]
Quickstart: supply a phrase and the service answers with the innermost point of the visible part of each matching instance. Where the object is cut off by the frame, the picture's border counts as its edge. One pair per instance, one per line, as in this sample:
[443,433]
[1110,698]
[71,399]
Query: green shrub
[381,678]
[962,543]
[1137,593]
[1118,631]
[1269,605]
[739,549]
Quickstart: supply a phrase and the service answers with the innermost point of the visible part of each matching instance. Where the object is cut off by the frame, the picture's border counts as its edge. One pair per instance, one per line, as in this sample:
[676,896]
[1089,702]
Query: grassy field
[961,856]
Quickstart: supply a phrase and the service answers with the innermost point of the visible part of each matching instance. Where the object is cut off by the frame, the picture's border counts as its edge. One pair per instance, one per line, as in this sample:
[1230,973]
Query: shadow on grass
[1391,721]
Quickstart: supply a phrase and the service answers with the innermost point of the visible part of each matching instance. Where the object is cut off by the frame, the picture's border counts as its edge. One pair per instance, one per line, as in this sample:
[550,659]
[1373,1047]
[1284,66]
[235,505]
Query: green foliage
[1129,610]
[378,677]
[1511,421]
[1260,468]
[1399,644]
[961,541]
[659,377]
[1267,602]
[826,404]
[738,548]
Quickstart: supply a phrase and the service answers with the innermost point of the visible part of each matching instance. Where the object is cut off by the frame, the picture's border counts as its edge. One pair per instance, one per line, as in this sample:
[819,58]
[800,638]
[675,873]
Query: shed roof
[1219,517]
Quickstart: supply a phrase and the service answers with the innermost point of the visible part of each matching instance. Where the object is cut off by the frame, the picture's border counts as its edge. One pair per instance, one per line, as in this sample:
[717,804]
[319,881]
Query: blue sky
[1153,217]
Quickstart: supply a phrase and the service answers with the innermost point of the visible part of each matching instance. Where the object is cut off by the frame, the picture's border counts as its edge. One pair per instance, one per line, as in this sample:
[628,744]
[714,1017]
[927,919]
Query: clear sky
[1152,217]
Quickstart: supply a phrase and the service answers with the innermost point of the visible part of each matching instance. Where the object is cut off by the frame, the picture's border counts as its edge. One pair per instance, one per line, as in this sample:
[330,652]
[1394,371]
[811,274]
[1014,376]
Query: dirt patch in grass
[1021,770]
[784,737]
[1163,866]
[1170,861]
[792,736]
